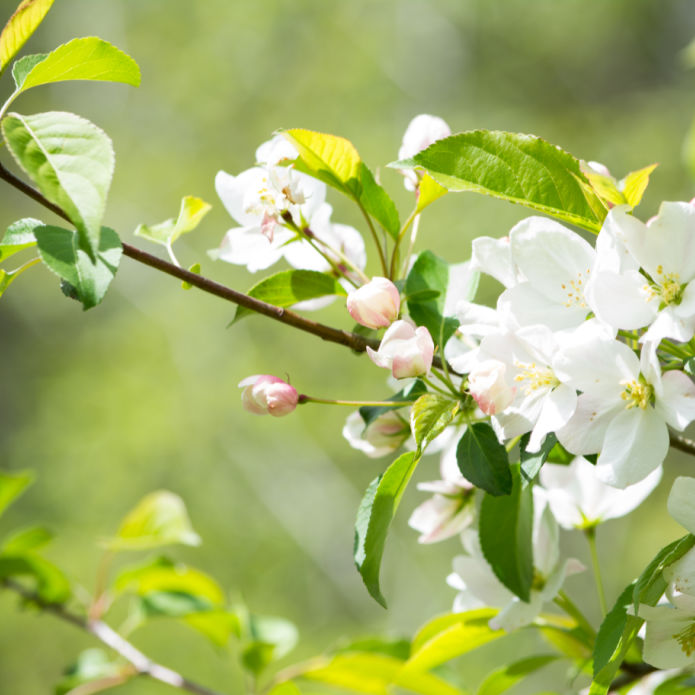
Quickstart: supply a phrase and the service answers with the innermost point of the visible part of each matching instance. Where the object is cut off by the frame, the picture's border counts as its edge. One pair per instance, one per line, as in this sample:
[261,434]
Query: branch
[142,665]
[682,443]
[334,335]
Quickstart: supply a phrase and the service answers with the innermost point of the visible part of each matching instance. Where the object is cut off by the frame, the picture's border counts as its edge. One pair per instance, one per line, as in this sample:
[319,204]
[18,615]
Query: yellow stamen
[686,639]
[638,394]
[535,377]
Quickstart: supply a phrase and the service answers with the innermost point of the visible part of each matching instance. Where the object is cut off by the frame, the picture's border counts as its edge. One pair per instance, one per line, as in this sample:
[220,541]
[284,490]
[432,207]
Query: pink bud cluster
[265,394]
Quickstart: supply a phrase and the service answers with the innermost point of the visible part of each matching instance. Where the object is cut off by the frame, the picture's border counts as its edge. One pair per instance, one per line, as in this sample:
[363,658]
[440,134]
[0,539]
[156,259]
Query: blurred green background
[140,393]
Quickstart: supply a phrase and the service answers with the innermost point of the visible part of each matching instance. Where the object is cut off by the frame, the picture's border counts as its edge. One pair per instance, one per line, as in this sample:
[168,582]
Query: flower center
[538,582]
[666,286]
[637,393]
[686,639]
[575,290]
[534,377]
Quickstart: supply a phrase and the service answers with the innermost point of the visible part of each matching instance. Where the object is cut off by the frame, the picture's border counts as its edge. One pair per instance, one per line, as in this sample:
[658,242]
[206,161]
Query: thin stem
[142,664]
[565,602]
[413,236]
[682,443]
[401,234]
[513,442]
[590,535]
[170,251]
[434,387]
[303,398]
[375,236]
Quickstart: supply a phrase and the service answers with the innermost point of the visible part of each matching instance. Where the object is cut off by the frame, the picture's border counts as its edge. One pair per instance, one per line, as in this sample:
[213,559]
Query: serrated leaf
[450,636]
[89,58]
[12,485]
[27,539]
[519,168]
[483,460]
[502,679]
[369,413]
[288,287]
[531,463]
[191,213]
[331,159]
[430,416]
[635,184]
[428,191]
[606,188]
[159,519]
[374,516]
[430,274]
[61,252]
[21,25]
[19,236]
[505,529]
[51,585]
[377,202]
[70,160]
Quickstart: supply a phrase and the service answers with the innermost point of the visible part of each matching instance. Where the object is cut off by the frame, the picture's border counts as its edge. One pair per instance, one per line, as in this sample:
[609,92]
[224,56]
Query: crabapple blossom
[265,394]
[489,388]
[380,437]
[421,132]
[405,349]
[376,304]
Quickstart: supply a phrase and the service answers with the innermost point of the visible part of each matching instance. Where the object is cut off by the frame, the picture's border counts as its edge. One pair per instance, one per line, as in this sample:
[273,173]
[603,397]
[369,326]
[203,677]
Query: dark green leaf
[519,168]
[61,252]
[370,413]
[291,286]
[376,511]
[430,416]
[558,454]
[611,631]
[483,460]
[531,463]
[376,201]
[12,485]
[678,685]
[505,529]
[51,585]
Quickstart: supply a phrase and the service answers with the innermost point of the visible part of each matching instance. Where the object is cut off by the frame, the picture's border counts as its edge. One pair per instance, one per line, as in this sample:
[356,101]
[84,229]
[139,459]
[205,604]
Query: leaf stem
[590,535]
[401,234]
[375,236]
[303,398]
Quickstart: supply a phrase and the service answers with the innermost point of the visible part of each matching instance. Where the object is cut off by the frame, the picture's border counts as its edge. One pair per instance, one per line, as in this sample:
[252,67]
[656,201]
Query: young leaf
[430,274]
[503,679]
[520,168]
[160,518]
[291,286]
[19,236]
[483,460]
[450,636]
[635,184]
[531,463]
[88,281]
[331,159]
[70,160]
[21,25]
[376,201]
[374,516]
[606,187]
[51,584]
[27,539]
[505,529]
[191,213]
[428,191]
[12,485]
[430,416]
[89,58]
[370,413]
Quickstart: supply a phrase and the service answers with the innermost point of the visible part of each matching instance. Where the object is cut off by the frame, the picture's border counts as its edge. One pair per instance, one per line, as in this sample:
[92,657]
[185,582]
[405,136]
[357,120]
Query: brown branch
[142,664]
[682,443]
[334,335]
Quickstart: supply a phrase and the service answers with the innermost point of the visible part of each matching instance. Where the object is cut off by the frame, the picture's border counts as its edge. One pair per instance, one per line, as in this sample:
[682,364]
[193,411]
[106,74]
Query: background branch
[682,443]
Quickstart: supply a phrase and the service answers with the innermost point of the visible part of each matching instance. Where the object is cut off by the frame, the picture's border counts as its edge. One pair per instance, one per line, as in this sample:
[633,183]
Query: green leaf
[331,159]
[217,625]
[19,236]
[89,58]
[398,648]
[483,460]
[291,286]
[531,463]
[611,631]
[51,585]
[376,511]
[678,685]
[505,528]
[450,636]
[428,191]
[91,665]
[430,274]
[566,636]
[159,519]
[88,281]
[21,25]
[12,485]
[27,539]
[369,413]
[376,201]
[520,168]
[606,187]
[502,679]
[430,416]
[635,184]
[195,268]
[191,213]
[70,160]
[375,674]
[24,66]
[271,639]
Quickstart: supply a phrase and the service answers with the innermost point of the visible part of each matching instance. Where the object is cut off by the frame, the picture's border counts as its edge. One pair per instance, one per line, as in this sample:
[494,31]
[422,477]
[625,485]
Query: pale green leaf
[217,625]
[635,184]
[191,213]
[24,66]
[86,280]
[606,187]
[91,665]
[21,25]
[195,268]
[520,168]
[159,519]
[70,160]
[450,636]
[430,416]
[502,679]
[89,58]
[19,236]
[27,539]
[12,485]
[428,191]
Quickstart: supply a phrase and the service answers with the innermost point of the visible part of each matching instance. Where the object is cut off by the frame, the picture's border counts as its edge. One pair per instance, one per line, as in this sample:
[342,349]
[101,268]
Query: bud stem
[303,398]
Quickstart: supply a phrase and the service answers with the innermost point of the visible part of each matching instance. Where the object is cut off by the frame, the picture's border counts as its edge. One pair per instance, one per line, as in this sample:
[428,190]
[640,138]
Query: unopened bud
[376,304]
[264,394]
[405,350]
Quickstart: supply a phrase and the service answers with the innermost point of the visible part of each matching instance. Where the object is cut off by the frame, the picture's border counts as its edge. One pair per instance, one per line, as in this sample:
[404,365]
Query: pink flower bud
[376,304]
[405,350]
[489,388]
[264,394]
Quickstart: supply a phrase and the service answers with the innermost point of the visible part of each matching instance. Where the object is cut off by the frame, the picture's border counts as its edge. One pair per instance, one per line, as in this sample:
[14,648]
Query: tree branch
[682,443]
[334,335]
[142,665]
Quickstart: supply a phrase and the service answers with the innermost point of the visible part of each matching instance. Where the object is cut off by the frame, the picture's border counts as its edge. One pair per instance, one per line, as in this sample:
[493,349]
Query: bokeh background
[140,393]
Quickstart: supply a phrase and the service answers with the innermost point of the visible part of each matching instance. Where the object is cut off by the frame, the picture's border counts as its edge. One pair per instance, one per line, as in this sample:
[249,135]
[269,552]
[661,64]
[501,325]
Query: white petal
[586,429]
[494,257]
[669,325]
[233,190]
[676,402]
[660,647]
[480,580]
[248,246]
[617,503]
[462,282]
[622,301]
[517,613]
[557,409]
[525,305]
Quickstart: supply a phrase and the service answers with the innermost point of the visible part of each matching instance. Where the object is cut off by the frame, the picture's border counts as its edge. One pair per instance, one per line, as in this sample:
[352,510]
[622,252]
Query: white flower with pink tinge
[422,131]
[380,437]
[265,394]
[376,304]
[489,388]
[405,349]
